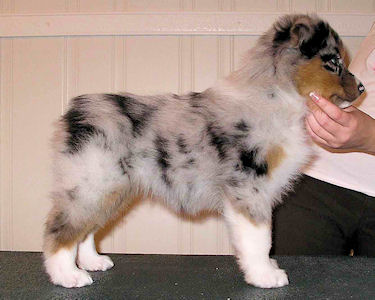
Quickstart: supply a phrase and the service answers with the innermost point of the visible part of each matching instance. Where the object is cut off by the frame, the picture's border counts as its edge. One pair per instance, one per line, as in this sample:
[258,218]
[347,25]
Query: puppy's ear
[308,37]
[300,32]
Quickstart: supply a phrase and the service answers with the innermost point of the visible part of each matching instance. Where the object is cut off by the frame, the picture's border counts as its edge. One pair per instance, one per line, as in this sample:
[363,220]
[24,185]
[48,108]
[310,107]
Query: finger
[333,111]
[318,129]
[316,138]
[350,109]
[326,122]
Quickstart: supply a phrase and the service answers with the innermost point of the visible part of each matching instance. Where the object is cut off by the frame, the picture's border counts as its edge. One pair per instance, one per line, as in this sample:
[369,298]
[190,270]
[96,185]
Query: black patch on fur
[125,164]
[166,179]
[195,99]
[233,181]
[182,146]
[242,126]
[223,141]
[163,157]
[72,194]
[161,145]
[282,36]
[318,40]
[122,166]
[80,131]
[189,163]
[195,95]
[250,164]
[219,140]
[138,113]
[58,224]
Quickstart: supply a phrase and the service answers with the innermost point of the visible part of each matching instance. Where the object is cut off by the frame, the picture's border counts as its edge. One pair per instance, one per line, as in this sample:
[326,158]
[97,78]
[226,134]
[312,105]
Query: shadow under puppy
[235,147]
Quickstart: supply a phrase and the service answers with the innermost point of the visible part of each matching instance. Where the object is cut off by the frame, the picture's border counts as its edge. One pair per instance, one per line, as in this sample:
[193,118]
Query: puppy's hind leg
[252,242]
[60,250]
[88,259]
[112,205]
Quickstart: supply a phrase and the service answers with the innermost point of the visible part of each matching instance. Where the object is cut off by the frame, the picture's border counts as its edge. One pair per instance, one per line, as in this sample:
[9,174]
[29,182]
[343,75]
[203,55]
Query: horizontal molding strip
[174,23]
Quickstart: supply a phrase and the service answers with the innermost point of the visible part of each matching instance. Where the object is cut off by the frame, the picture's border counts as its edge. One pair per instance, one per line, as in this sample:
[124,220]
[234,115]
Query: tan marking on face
[313,77]
[274,158]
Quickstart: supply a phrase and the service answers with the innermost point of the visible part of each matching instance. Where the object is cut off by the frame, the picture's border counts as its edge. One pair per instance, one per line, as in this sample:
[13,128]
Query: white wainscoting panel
[51,51]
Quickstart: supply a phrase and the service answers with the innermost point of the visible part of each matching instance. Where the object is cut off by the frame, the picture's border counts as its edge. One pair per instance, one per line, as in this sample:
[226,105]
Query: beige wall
[40,72]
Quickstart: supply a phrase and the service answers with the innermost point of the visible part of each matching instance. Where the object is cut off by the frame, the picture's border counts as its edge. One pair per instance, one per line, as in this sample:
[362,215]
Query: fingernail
[314,96]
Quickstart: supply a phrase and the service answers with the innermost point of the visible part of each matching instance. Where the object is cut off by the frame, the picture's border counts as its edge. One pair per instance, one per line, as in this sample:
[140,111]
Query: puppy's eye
[333,61]
[334,68]
[329,68]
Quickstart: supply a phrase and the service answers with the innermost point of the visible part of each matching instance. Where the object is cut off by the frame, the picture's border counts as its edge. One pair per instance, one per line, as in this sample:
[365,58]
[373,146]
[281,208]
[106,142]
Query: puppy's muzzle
[360,86]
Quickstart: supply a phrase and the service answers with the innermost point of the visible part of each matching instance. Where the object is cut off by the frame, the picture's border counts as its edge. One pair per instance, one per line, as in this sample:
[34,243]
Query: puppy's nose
[361,88]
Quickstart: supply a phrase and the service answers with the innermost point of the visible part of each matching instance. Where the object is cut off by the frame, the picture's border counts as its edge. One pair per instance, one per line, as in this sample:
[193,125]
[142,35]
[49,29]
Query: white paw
[63,271]
[267,276]
[69,277]
[77,278]
[95,262]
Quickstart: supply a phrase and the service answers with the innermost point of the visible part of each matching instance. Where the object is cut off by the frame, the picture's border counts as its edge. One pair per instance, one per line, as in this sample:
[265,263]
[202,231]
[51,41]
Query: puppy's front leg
[88,259]
[252,242]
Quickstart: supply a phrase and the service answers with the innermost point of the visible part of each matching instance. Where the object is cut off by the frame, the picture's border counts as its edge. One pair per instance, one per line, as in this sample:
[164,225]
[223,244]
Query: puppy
[236,148]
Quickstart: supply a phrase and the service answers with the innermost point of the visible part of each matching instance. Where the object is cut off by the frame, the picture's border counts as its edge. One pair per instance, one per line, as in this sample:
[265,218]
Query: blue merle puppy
[236,147]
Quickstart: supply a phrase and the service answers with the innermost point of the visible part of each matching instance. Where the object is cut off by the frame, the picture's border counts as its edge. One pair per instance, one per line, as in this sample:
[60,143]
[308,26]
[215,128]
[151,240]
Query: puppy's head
[320,66]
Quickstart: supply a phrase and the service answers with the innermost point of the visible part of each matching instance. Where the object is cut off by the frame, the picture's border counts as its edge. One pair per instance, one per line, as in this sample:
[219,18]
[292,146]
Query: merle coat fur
[235,147]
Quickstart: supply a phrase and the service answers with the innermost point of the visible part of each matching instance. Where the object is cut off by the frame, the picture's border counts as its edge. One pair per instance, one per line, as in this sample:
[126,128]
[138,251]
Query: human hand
[336,128]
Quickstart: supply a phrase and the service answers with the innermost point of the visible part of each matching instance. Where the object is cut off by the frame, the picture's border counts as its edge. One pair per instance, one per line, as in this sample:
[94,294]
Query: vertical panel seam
[218,75]
[124,84]
[192,65]
[124,67]
[64,75]
[112,66]
[192,80]
[112,88]
[179,222]
[76,65]
[180,65]
[1,146]
[11,142]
